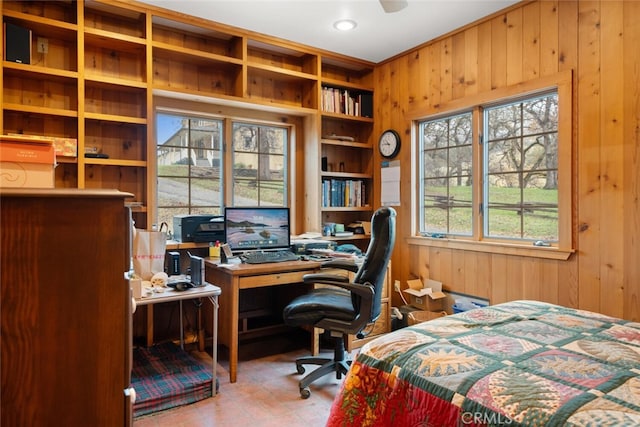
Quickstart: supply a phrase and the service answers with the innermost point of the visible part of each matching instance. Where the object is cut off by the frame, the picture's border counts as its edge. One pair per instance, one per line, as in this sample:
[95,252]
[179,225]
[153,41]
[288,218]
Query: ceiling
[378,35]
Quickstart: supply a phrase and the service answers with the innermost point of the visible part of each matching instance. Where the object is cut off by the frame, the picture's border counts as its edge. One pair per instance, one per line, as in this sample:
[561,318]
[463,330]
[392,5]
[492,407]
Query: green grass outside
[536,223]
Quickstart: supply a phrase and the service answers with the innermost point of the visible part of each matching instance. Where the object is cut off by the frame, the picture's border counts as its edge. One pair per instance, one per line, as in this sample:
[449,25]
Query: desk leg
[233,329]
[181,328]
[200,328]
[149,325]
[214,350]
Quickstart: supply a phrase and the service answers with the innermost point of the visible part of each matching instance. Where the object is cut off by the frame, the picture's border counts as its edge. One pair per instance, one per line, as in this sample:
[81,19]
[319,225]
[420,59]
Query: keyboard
[260,257]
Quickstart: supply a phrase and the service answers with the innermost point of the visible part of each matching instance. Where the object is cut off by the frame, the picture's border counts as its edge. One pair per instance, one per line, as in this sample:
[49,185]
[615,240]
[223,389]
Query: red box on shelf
[27,165]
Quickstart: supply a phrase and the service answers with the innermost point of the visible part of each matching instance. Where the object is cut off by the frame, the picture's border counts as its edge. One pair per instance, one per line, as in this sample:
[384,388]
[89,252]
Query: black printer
[198,228]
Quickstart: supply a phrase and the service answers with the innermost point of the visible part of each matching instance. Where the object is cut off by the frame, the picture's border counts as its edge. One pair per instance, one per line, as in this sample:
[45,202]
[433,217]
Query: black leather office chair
[344,307]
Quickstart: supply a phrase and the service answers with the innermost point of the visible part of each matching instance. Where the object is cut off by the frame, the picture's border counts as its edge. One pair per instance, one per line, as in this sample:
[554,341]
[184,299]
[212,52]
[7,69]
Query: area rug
[165,376]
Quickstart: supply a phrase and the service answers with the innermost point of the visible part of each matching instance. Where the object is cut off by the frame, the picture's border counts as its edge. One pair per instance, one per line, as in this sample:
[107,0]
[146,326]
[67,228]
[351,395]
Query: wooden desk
[232,278]
[208,291]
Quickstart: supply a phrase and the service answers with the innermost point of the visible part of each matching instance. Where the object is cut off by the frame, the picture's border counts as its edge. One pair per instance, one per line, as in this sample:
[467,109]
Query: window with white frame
[498,170]
[191,164]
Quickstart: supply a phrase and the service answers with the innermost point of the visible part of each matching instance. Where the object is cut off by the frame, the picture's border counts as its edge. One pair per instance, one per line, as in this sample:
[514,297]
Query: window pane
[173,161]
[203,191]
[504,158]
[170,192]
[506,122]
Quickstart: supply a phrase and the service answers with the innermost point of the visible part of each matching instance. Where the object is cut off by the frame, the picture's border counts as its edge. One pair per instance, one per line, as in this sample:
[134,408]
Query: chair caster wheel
[305,392]
[300,369]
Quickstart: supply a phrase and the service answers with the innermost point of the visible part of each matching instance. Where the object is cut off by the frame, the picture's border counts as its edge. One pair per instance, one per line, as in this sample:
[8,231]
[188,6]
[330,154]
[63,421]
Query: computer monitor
[256,228]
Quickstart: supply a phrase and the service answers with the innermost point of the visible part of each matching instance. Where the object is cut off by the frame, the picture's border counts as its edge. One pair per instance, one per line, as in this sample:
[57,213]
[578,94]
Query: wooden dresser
[66,308]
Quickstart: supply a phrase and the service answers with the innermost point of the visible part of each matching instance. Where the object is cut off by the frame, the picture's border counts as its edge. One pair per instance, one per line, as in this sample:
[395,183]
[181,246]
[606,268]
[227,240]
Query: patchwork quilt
[522,363]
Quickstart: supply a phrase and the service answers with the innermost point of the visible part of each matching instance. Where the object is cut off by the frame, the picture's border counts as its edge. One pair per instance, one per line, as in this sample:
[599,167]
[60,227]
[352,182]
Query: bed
[522,363]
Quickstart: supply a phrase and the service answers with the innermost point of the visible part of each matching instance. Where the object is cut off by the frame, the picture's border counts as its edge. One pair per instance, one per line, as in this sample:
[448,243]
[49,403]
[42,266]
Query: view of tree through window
[521,184]
[446,181]
[259,165]
[518,166]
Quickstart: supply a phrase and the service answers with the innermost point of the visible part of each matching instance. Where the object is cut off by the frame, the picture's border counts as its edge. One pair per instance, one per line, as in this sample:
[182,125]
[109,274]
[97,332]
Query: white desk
[208,291]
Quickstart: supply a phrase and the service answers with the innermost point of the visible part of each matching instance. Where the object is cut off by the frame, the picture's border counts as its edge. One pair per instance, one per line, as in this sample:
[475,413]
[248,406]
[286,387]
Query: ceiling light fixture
[392,6]
[345,25]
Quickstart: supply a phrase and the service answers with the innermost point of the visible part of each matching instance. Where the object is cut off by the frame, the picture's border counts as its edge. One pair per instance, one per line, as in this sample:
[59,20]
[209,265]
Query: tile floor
[265,395]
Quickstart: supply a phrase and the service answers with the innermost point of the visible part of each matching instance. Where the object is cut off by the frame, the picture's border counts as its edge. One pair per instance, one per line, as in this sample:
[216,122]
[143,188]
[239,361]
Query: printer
[198,228]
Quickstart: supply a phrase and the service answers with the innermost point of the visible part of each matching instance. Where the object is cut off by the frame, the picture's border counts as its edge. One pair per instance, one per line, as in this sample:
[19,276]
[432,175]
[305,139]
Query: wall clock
[389,143]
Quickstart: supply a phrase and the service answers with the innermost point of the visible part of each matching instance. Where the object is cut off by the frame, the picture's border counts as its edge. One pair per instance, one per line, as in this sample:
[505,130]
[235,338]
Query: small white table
[209,291]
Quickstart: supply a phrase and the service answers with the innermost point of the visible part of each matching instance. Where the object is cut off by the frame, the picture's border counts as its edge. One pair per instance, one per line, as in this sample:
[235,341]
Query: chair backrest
[376,258]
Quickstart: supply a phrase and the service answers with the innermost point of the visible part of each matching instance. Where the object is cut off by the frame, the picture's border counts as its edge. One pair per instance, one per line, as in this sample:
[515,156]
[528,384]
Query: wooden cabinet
[66,308]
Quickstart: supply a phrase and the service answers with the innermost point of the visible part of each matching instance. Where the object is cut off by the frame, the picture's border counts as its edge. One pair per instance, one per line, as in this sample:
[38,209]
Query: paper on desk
[308,235]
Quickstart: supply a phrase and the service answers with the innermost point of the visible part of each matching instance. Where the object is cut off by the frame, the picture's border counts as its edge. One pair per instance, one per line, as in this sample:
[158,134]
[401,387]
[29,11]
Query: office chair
[344,307]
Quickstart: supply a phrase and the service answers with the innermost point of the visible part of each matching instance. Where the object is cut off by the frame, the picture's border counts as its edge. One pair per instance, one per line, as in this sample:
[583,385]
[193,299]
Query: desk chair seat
[342,307]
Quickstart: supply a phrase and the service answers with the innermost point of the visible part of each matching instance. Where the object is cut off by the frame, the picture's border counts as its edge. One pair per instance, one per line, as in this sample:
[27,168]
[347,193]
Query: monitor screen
[253,228]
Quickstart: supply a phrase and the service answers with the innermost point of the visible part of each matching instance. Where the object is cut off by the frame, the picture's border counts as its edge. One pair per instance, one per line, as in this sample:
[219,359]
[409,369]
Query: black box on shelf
[366,107]
[17,43]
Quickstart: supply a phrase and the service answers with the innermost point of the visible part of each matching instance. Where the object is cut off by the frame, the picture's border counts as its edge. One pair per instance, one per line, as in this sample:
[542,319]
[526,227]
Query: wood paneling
[597,40]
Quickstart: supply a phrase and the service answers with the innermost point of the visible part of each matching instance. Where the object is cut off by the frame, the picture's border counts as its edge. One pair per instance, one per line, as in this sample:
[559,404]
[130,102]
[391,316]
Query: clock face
[389,144]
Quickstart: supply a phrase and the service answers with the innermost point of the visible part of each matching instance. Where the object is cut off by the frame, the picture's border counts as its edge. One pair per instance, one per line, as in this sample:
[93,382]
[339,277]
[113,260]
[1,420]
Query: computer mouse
[182,286]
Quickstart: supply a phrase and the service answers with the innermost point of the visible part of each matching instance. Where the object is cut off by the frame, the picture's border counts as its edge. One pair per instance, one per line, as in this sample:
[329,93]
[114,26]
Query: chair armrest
[323,277]
[362,290]
[342,264]
[366,294]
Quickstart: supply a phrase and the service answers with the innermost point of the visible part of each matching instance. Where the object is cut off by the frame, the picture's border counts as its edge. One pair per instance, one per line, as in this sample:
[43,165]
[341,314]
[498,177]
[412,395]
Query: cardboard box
[27,165]
[426,296]
[416,317]
[66,147]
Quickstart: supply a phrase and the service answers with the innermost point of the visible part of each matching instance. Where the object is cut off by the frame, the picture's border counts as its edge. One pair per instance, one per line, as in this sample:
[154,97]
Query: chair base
[339,364]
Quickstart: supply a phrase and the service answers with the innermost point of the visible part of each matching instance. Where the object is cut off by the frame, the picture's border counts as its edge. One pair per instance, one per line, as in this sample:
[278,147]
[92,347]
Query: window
[189,154]
[259,165]
[447,155]
[521,169]
[499,170]
[191,162]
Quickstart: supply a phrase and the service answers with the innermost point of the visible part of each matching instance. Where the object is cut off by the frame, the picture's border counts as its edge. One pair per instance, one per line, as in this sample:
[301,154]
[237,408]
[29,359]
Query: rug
[165,376]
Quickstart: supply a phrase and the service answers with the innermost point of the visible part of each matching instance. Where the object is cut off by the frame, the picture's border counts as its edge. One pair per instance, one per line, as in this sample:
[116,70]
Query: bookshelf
[107,62]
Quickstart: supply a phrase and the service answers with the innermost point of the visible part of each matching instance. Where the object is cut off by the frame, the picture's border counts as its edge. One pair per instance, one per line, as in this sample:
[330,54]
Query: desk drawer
[271,279]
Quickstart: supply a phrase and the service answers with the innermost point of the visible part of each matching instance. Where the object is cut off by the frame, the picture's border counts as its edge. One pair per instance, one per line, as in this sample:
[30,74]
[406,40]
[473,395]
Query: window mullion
[478,179]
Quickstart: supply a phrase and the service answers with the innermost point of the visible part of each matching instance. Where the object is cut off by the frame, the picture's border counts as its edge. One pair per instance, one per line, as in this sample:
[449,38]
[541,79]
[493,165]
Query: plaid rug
[165,376]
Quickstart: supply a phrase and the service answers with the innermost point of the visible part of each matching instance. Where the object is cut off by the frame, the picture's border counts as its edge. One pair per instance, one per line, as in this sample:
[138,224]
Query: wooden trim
[493,247]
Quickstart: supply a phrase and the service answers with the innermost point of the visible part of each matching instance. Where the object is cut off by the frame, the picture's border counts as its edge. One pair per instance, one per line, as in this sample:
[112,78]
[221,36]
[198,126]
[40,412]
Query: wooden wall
[599,41]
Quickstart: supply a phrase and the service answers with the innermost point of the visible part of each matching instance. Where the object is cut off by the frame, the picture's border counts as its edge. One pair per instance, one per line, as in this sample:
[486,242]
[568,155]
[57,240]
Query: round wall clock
[389,143]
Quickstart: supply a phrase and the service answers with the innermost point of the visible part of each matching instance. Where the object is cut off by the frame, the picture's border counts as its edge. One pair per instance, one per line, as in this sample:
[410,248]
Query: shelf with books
[344,193]
[340,100]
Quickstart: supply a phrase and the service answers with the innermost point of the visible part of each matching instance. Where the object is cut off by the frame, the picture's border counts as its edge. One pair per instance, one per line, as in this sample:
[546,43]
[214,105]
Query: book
[343,234]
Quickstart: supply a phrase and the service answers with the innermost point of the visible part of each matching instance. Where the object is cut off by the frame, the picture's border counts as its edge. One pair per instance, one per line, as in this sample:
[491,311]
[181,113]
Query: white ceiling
[377,37]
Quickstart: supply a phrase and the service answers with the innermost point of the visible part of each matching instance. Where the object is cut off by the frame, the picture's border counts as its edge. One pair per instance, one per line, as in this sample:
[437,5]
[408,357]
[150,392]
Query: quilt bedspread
[522,363]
